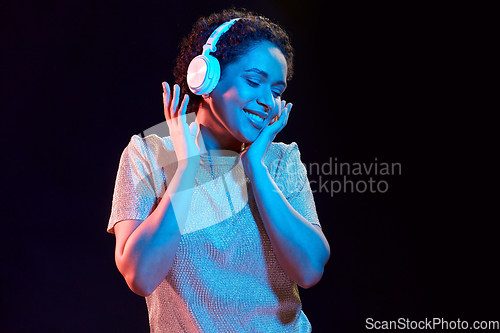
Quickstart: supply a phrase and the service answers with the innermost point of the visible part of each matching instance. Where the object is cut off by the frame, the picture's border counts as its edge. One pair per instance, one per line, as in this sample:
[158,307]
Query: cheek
[231,96]
[225,105]
[233,99]
[237,94]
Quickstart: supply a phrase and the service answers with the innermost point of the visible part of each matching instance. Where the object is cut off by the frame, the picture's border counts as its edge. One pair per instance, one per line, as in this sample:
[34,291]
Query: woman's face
[248,96]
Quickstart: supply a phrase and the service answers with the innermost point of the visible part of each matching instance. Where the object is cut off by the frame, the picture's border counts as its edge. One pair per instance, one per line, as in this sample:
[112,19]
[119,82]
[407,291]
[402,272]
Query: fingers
[184,105]
[277,114]
[193,128]
[175,100]
[195,131]
[283,103]
[285,115]
[282,117]
[166,100]
[171,103]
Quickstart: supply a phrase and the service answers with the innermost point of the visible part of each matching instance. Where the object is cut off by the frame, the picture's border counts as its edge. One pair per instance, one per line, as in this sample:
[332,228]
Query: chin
[250,136]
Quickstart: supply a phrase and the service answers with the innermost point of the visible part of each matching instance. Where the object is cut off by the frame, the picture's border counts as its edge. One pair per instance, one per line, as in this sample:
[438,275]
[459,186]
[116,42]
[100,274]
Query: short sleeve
[294,184]
[134,195]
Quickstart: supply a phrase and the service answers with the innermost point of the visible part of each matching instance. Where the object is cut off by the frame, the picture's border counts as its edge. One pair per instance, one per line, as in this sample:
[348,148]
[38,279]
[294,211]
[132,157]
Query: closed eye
[252,83]
[255,84]
[277,94]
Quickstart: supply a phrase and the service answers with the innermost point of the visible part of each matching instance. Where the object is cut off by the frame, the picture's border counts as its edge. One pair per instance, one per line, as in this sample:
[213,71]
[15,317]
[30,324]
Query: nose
[266,99]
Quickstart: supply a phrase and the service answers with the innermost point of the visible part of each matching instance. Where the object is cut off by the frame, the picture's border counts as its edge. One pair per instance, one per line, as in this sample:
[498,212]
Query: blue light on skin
[254,83]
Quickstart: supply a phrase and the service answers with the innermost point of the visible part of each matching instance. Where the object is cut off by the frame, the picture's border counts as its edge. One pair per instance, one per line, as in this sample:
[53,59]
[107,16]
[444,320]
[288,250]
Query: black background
[79,78]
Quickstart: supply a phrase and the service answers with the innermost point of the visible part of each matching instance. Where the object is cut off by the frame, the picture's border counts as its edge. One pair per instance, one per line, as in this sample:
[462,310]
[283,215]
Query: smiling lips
[256,117]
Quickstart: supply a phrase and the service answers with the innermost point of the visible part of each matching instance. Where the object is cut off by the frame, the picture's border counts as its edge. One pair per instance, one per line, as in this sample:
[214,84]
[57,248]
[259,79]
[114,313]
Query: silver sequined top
[225,276]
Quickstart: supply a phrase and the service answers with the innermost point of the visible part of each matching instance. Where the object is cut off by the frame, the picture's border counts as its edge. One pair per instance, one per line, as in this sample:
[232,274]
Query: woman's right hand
[183,136]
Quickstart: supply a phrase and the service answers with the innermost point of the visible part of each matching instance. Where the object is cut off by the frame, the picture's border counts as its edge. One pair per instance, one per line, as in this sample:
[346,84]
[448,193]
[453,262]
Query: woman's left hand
[253,156]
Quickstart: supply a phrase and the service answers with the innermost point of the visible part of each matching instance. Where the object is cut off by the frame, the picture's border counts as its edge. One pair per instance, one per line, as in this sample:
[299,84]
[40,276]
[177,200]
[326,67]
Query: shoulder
[282,157]
[152,149]
[285,166]
[149,143]
[279,151]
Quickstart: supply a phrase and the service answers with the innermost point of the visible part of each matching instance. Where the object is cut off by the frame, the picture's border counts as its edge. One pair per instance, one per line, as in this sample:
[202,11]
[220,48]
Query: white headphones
[203,72]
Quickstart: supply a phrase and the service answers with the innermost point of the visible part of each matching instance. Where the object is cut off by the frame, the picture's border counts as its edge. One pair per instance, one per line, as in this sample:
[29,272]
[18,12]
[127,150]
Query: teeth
[254,116]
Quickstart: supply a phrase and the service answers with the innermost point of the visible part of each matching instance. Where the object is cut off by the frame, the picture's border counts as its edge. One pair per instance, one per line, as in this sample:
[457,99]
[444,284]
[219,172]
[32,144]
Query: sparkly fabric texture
[225,276]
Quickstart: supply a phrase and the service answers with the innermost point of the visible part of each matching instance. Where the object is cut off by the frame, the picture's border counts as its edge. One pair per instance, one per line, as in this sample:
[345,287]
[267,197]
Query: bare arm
[300,247]
[146,249]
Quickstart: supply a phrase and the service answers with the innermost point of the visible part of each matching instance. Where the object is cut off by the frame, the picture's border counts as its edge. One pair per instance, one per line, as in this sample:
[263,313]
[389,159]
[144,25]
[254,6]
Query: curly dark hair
[234,43]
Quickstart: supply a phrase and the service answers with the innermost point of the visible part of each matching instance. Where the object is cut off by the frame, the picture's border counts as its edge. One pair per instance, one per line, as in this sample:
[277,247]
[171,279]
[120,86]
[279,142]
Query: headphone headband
[214,37]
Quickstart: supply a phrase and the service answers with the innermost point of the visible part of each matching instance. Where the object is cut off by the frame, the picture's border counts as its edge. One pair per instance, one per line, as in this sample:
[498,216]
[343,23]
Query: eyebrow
[264,74]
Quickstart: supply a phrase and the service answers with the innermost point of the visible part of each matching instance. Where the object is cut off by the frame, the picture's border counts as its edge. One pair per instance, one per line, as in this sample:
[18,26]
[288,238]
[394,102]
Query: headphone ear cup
[214,74]
[203,74]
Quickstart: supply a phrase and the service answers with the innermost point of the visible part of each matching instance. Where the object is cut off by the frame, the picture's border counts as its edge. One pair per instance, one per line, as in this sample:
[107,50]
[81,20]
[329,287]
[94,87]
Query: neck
[215,136]
[216,144]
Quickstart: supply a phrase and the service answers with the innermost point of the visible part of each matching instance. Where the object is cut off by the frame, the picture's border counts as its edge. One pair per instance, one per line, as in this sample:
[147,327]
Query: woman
[216,225]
